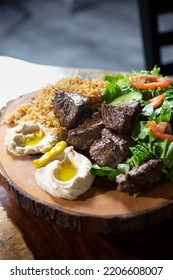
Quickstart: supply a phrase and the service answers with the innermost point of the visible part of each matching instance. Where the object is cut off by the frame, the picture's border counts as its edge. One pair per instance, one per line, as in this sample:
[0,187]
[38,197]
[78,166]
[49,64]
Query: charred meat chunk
[110,150]
[141,177]
[119,117]
[71,108]
[85,134]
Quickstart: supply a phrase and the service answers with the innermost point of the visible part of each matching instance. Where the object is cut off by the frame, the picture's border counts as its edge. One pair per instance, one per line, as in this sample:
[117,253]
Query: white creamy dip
[68,177]
[29,138]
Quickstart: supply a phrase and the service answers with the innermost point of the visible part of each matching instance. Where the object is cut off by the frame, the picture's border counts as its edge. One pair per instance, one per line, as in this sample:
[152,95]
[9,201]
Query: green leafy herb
[163,113]
[123,167]
[107,171]
[113,90]
[154,71]
[118,85]
[141,153]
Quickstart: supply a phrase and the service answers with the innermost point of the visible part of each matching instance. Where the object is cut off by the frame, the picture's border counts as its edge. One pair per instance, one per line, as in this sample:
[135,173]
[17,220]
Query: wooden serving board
[101,209]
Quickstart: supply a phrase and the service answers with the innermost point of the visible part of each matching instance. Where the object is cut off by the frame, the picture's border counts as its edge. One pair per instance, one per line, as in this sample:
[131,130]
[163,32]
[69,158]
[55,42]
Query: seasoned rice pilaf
[41,110]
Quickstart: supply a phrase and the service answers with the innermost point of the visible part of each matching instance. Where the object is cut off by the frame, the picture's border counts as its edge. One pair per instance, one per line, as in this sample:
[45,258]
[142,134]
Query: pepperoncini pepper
[57,149]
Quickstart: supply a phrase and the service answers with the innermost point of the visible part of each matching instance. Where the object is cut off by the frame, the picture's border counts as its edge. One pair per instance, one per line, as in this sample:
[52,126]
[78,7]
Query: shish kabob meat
[104,132]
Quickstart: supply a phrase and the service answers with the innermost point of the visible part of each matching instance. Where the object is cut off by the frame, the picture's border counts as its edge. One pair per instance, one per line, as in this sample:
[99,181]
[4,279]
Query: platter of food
[92,154]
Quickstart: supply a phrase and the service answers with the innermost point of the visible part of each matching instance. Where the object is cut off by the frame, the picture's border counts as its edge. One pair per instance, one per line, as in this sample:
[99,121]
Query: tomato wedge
[156,101]
[147,81]
[161,130]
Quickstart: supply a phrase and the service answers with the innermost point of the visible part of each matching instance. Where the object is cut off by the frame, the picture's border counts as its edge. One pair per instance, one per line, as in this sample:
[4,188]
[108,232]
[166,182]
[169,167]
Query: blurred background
[74,33]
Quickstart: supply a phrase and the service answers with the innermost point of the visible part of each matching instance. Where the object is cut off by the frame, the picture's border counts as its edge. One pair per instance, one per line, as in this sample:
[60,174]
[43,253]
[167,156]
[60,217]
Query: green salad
[152,129]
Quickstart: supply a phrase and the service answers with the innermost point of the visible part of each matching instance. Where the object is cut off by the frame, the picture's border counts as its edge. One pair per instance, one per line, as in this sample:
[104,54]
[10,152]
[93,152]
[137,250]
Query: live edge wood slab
[102,209]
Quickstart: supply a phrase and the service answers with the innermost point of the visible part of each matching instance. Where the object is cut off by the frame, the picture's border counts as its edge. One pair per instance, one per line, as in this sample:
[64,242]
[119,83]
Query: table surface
[24,236]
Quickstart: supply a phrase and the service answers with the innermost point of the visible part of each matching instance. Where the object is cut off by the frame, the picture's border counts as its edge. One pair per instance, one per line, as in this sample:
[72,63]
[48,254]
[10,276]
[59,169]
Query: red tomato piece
[147,81]
[161,130]
[156,101]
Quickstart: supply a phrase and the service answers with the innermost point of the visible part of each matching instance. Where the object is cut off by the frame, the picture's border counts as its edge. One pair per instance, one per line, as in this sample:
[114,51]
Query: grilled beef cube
[71,108]
[141,177]
[110,150]
[119,117]
[85,134]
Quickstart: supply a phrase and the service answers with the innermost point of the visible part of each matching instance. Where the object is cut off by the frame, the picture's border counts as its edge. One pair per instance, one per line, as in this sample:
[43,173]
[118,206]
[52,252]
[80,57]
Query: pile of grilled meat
[103,132]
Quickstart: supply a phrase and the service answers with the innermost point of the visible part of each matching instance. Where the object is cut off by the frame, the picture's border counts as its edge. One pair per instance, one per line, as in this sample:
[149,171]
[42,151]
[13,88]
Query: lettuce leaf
[118,85]
[106,171]
[142,153]
[163,113]
[154,71]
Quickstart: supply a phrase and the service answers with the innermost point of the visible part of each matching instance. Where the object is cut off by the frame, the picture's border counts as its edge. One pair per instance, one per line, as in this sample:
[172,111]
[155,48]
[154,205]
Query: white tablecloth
[18,77]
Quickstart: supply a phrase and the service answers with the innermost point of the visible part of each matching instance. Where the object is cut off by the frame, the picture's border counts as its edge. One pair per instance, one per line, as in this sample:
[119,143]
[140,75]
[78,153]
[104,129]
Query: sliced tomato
[156,101]
[161,130]
[147,81]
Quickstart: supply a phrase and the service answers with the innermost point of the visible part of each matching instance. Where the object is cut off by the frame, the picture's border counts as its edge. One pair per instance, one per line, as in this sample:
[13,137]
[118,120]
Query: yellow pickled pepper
[57,149]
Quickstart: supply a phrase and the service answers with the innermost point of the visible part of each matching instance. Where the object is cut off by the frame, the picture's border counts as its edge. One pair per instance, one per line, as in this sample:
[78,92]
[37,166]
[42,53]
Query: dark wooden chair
[154,40]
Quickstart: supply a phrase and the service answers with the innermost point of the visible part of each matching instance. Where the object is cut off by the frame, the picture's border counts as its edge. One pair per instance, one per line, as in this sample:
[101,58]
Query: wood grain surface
[12,245]
[26,236]
[101,209]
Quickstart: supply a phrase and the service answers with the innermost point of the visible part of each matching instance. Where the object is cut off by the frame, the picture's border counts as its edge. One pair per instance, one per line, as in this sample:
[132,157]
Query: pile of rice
[40,109]
[92,88]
